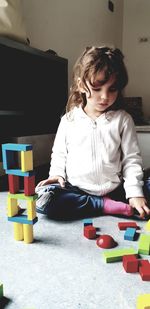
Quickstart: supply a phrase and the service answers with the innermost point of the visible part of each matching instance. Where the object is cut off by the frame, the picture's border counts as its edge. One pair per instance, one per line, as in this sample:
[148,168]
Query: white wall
[144,139]
[68,26]
[136,24]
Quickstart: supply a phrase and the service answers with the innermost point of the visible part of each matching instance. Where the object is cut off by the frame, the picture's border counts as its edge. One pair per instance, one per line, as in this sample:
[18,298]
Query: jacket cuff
[134,191]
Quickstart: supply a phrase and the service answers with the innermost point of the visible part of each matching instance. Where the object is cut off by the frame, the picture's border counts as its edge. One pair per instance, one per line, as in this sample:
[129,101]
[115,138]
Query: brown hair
[92,61]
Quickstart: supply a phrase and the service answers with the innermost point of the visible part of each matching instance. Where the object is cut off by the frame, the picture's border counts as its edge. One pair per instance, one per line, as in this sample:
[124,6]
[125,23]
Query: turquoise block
[130,233]
[16,147]
[22,219]
[18,172]
[87,222]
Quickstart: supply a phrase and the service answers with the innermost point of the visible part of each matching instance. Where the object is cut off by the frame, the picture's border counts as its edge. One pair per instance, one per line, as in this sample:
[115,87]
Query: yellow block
[31,212]
[28,233]
[18,231]
[147,226]
[12,207]
[143,301]
[26,161]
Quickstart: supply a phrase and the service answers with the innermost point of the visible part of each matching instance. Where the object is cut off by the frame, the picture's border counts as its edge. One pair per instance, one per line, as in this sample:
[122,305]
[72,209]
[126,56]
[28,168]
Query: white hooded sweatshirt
[95,155]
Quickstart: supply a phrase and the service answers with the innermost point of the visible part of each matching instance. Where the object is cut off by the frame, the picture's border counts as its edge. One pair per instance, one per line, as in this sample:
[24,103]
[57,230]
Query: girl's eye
[96,89]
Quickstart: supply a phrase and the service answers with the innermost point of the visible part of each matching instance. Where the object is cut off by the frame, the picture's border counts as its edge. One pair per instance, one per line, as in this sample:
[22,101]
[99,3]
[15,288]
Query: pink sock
[115,207]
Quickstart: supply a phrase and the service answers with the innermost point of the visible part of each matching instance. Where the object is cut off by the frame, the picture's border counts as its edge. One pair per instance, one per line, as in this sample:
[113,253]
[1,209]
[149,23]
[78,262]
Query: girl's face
[101,96]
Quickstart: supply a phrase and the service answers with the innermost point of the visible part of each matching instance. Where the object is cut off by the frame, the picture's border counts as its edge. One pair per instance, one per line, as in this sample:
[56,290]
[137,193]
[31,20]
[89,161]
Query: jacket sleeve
[59,151]
[132,165]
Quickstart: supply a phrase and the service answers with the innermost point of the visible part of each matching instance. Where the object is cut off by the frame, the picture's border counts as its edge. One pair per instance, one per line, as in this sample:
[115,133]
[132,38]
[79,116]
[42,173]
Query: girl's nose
[104,95]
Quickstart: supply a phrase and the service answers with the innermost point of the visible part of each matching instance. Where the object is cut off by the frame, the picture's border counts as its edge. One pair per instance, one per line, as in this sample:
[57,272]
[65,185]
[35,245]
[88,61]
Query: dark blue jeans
[72,203]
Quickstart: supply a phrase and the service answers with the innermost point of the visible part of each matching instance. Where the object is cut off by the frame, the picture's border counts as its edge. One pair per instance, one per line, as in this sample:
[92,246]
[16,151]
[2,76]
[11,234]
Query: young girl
[96,166]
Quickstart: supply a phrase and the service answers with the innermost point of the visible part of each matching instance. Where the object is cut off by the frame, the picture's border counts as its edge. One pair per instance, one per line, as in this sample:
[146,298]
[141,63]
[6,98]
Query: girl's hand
[51,180]
[140,204]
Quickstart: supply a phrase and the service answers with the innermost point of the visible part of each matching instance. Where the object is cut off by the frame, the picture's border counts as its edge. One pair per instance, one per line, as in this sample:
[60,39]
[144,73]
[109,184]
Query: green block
[144,244]
[116,255]
[1,290]
[21,196]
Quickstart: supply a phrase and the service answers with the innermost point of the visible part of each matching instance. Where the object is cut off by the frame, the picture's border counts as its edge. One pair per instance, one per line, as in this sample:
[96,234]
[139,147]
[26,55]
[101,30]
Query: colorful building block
[117,254]
[18,231]
[31,210]
[144,244]
[147,226]
[143,301]
[22,196]
[12,207]
[9,153]
[13,183]
[16,166]
[144,270]
[87,222]
[28,233]
[26,161]
[23,219]
[125,225]
[130,263]
[29,185]
[90,232]
[130,233]
[1,290]
[18,172]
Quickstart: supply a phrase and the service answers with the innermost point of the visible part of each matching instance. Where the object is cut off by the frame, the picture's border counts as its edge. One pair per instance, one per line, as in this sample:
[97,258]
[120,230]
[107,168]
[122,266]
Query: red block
[144,270]
[124,225]
[29,185]
[90,232]
[130,263]
[13,183]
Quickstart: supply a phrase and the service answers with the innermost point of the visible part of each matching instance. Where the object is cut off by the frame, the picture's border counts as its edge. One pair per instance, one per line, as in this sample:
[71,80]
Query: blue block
[18,172]
[22,219]
[9,153]
[88,222]
[130,233]
[16,147]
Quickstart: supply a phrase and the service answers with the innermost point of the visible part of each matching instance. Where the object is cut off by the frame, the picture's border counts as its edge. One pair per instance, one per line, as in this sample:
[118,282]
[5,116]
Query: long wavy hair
[92,61]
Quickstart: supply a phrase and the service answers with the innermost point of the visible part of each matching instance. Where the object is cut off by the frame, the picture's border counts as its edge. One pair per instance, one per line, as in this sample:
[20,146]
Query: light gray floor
[64,270]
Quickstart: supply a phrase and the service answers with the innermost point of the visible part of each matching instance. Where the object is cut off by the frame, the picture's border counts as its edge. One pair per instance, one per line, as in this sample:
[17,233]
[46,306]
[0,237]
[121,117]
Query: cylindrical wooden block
[28,233]
[18,231]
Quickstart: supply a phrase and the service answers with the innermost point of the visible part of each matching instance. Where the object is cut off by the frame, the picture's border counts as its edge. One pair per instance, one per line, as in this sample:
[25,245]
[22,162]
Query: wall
[136,25]
[69,26]
[144,138]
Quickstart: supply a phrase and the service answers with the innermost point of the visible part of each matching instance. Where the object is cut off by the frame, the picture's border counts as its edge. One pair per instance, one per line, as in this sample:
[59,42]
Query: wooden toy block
[22,196]
[9,153]
[125,225]
[31,212]
[117,254]
[29,185]
[12,207]
[23,219]
[147,226]
[87,222]
[144,270]
[144,244]
[19,172]
[143,301]
[26,161]
[1,290]
[90,232]
[16,147]
[130,263]
[130,233]
[13,183]
[28,233]
[18,231]
[9,159]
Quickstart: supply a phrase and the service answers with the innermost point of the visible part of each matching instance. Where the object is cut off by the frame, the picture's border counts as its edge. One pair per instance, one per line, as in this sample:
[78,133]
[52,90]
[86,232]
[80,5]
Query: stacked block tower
[23,224]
